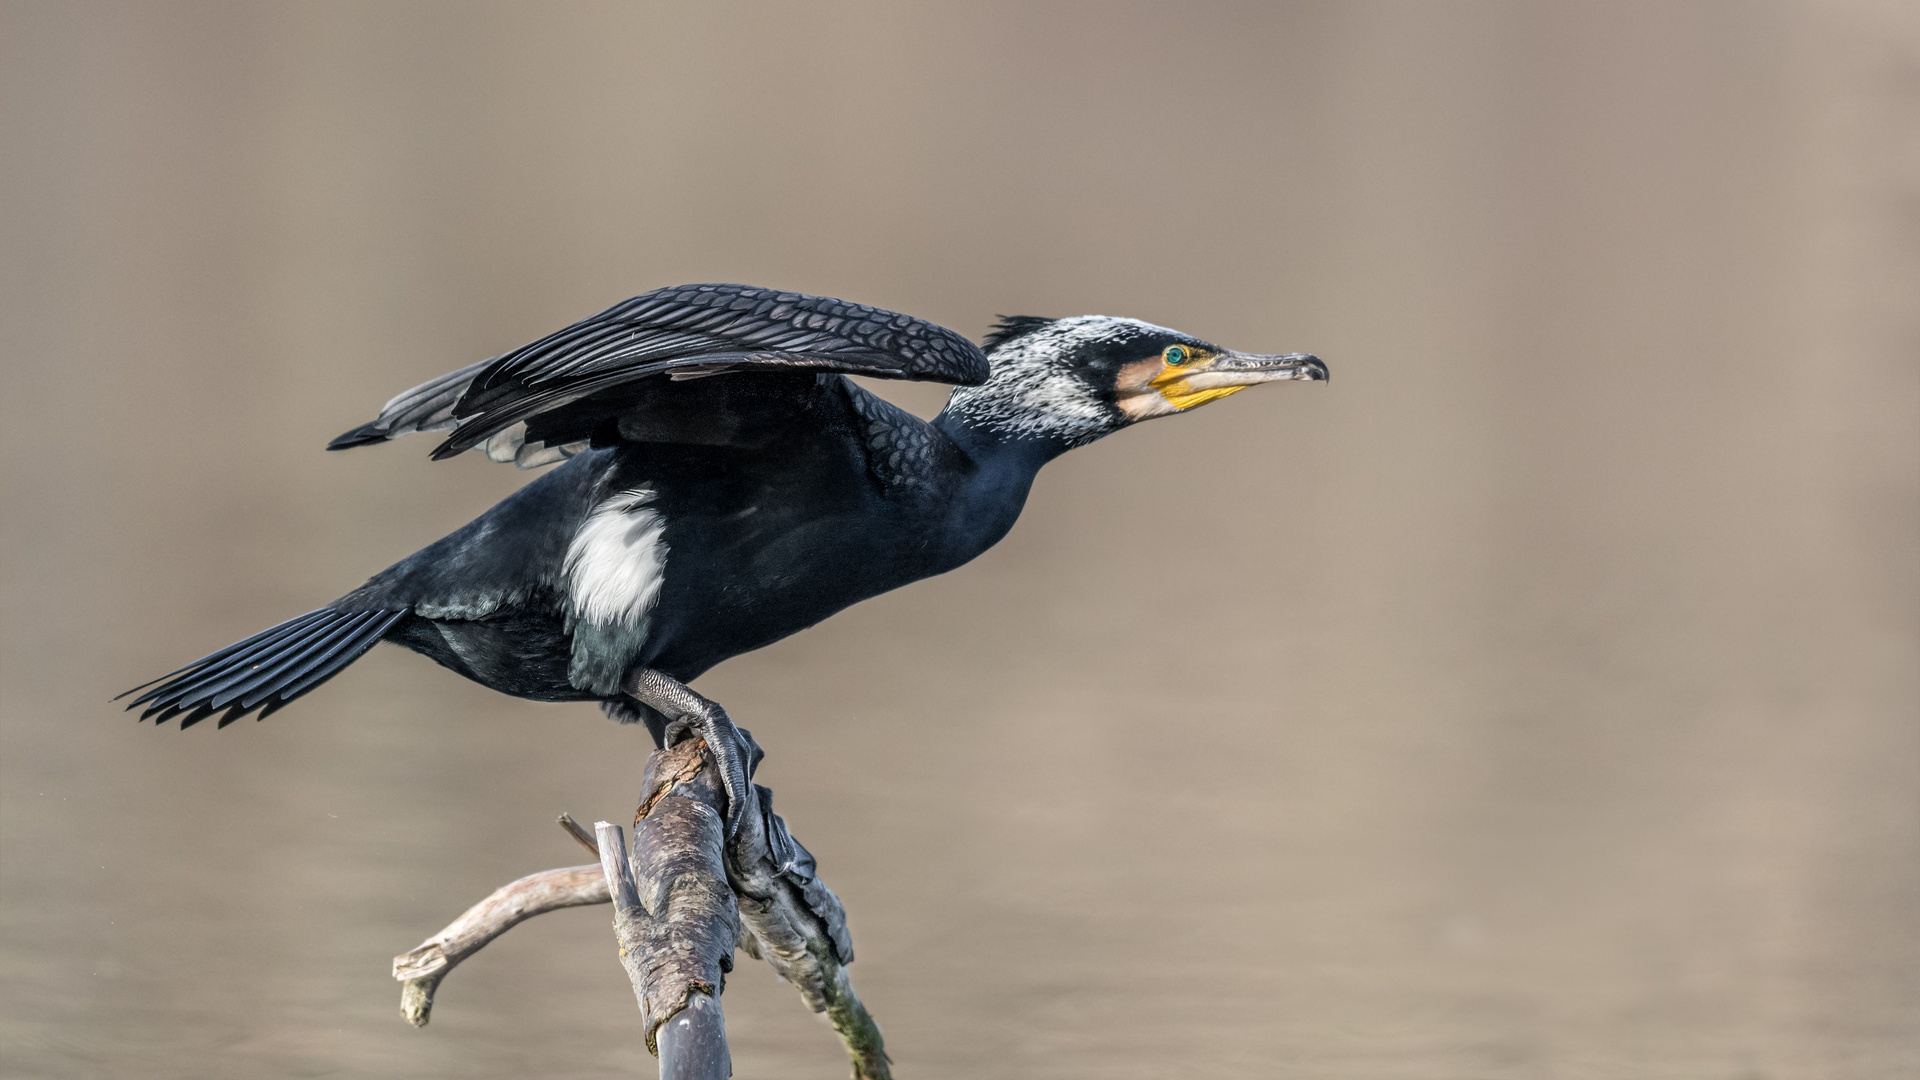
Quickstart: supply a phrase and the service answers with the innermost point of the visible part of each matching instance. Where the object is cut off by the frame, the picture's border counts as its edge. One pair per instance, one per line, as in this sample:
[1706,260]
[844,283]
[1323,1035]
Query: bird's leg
[629,711]
[734,750]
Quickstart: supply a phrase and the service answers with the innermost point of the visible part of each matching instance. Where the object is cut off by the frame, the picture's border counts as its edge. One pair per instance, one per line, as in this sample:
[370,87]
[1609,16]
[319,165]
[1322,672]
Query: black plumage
[700,329]
[267,670]
[723,487]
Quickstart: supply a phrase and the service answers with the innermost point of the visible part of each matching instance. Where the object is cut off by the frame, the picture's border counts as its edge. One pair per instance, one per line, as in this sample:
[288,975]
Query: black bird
[724,486]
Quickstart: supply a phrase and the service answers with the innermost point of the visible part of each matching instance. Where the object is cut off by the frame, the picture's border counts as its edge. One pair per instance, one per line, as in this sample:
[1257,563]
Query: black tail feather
[213,666]
[272,707]
[265,671]
[210,681]
[284,665]
[256,641]
[193,717]
[363,639]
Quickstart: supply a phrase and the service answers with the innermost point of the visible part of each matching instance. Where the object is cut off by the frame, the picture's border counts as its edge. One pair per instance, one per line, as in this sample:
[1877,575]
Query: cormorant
[724,485]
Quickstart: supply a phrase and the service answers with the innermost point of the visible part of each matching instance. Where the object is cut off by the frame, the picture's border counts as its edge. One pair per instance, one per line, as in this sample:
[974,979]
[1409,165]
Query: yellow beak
[1189,385]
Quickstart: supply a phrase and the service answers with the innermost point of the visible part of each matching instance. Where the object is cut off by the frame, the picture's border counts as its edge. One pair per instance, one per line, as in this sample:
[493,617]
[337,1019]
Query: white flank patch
[617,560]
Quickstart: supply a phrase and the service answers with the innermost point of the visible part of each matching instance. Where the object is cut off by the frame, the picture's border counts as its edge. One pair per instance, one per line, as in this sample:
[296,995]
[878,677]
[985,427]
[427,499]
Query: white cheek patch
[1136,395]
[1034,390]
[1146,404]
[617,560]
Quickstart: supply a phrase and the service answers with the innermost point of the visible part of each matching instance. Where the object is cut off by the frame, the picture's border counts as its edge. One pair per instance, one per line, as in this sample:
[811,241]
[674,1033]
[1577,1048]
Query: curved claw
[732,748]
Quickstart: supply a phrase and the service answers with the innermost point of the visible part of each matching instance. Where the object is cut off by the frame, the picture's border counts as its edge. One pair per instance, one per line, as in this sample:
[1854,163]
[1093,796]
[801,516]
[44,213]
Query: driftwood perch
[683,900]
[421,970]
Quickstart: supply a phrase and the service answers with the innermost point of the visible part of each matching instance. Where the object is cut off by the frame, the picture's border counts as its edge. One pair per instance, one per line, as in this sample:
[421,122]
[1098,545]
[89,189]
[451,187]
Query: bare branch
[580,834]
[536,894]
[797,925]
[682,881]
[682,902]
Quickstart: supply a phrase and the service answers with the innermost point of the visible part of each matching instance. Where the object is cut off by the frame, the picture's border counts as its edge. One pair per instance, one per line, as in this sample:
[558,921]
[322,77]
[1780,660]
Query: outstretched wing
[685,332]
[427,407]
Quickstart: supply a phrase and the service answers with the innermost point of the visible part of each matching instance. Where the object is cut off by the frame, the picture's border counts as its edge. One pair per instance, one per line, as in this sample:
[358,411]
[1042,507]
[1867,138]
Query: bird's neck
[1001,453]
[995,490]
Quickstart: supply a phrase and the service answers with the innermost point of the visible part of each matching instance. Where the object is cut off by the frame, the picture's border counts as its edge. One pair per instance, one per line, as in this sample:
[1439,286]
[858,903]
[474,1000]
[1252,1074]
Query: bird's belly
[524,653]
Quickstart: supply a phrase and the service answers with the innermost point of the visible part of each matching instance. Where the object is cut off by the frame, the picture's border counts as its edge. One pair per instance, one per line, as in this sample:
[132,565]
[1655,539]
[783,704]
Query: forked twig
[677,926]
[579,833]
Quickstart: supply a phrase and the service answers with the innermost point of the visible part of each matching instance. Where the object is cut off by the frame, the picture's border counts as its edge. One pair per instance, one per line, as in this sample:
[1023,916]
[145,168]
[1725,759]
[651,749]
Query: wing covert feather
[684,331]
[703,326]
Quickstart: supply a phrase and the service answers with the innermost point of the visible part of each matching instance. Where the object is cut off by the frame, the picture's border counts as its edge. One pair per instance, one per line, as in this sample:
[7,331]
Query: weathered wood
[580,834]
[678,839]
[798,926]
[630,918]
[536,894]
[683,899]
[674,913]
[693,1042]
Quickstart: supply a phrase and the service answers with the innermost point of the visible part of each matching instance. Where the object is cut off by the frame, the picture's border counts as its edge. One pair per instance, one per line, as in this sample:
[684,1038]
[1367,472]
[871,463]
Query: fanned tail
[265,671]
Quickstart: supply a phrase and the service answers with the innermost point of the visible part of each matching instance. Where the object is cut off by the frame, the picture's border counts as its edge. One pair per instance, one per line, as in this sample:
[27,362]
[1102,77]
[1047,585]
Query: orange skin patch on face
[1138,397]
[1153,387]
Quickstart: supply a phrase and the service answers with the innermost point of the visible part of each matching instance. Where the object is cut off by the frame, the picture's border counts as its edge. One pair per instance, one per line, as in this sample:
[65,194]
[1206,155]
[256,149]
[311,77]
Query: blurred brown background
[1539,699]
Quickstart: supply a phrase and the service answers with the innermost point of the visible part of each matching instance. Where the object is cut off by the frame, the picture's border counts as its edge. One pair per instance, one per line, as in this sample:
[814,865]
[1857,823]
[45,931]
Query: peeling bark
[683,900]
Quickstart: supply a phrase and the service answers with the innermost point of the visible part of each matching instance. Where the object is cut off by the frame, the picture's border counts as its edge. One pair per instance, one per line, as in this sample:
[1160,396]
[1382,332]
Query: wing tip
[364,435]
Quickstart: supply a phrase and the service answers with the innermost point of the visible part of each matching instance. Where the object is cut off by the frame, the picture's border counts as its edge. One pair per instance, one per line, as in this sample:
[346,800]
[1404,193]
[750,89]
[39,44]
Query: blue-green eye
[1176,355]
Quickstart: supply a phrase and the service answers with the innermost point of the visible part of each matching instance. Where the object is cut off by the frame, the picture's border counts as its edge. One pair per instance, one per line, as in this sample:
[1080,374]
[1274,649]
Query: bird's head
[1074,380]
